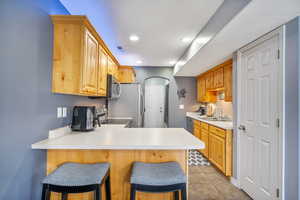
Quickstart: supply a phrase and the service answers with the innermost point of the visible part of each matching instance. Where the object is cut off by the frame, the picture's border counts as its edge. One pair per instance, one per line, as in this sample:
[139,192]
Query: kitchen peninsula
[120,147]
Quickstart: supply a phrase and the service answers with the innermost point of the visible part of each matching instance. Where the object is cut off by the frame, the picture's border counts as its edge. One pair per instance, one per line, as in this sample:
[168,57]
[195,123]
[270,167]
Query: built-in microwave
[113,87]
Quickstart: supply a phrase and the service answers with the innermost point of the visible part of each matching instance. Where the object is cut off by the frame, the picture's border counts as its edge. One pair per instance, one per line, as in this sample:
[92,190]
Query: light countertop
[228,125]
[124,138]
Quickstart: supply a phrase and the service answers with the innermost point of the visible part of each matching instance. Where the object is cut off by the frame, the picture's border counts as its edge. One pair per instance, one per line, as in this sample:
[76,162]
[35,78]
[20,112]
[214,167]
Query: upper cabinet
[126,74]
[81,60]
[228,82]
[217,79]
[89,65]
[102,72]
[113,68]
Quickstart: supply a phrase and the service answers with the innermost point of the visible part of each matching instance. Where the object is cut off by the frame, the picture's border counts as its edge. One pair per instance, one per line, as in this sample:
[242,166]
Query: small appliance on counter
[113,87]
[83,118]
[202,110]
[210,110]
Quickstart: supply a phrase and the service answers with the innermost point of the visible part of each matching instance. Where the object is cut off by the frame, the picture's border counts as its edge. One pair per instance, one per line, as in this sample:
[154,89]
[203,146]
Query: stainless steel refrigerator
[130,104]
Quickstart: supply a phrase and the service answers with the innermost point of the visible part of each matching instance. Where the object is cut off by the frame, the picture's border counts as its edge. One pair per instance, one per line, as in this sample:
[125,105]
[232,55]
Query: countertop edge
[190,114]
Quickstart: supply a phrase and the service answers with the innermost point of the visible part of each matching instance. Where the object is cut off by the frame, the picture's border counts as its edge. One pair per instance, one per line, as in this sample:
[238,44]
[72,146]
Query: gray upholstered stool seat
[78,178]
[157,174]
[76,174]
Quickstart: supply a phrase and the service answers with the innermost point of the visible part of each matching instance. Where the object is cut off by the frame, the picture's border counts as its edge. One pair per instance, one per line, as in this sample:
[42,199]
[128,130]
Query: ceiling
[160,25]
[256,19]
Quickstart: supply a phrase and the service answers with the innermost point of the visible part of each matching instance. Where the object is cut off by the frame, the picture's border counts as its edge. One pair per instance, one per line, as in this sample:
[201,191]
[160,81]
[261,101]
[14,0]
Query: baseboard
[59,132]
[234,182]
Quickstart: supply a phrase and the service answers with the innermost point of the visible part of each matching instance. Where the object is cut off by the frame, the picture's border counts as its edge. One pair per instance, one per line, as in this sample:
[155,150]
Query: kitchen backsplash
[226,107]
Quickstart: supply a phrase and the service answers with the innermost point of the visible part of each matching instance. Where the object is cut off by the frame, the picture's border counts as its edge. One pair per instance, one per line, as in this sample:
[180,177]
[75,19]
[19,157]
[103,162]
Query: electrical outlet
[59,112]
[64,112]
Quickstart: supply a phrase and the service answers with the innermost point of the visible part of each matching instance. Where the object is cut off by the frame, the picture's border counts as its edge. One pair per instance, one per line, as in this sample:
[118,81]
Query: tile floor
[207,183]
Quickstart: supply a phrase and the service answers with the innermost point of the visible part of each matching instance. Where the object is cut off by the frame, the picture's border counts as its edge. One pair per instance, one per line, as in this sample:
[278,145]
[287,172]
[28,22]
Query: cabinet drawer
[197,123]
[204,125]
[217,131]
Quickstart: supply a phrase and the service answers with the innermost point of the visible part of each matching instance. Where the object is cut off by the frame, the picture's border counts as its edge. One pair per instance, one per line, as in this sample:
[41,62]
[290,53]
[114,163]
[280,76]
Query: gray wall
[176,116]
[27,107]
[292,65]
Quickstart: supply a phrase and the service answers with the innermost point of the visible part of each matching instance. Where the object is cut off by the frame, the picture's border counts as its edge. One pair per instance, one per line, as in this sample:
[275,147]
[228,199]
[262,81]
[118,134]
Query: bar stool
[77,178]
[158,177]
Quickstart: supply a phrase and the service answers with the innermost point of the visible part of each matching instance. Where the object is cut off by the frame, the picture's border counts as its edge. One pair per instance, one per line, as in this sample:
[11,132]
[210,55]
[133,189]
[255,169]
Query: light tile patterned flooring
[207,183]
[197,159]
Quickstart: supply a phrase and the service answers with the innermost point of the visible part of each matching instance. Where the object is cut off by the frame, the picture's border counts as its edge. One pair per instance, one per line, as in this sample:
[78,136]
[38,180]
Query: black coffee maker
[202,110]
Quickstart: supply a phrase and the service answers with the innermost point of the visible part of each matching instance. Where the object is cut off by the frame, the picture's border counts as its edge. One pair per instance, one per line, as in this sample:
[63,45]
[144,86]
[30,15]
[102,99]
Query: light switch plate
[64,112]
[59,112]
[181,106]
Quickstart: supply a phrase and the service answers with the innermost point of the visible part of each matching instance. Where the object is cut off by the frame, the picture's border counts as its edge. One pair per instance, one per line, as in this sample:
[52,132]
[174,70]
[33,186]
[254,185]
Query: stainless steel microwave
[113,87]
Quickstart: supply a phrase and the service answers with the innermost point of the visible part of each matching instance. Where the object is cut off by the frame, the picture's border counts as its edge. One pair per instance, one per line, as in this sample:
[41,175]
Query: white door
[259,108]
[154,105]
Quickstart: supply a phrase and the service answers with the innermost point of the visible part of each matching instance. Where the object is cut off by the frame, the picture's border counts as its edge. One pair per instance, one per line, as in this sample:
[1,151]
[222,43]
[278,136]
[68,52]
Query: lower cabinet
[217,151]
[204,136]
[218,145]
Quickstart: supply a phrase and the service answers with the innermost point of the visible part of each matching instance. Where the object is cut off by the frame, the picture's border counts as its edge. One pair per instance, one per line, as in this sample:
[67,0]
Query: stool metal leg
[64,196]
[97,193]
[45,192]
[176,195]
[107,188]
[183,193]
[132,193]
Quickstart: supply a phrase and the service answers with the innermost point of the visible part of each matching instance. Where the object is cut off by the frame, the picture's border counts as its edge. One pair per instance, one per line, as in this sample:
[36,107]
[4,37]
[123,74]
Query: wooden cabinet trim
[81,19]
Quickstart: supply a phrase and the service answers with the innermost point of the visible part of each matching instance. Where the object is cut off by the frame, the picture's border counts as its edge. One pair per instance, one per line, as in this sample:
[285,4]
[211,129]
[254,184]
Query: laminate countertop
[227,125]
[124,138]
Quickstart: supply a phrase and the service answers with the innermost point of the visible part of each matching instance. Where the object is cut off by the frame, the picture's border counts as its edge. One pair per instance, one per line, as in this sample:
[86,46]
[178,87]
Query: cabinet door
[197,132]
[110,66]
[126,74]
[199,89]
[90,64]
[209,81]
[102,73]
[204,138]
[203,90]
[217,151]
[219,78]
[228,82]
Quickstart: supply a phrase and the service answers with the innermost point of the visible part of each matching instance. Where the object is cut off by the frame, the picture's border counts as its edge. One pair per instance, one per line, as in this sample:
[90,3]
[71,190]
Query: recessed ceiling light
[134,38]
[202,40]
[139,62]
[180,63]
[172,62]
[186,40]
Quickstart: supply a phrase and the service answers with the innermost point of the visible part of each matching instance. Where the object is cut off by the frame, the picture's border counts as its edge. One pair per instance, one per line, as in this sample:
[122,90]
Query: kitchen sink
[223,119]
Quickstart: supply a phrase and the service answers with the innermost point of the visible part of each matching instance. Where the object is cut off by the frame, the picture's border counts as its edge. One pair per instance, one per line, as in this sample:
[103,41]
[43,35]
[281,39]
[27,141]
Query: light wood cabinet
[217,151]
[201,94]
[78,68]
[126,74]
[220,149]
[218,145]
[217,79]
[228,82]
[204,136]
[89,73]
[197,128]
[102,73]
[209,81]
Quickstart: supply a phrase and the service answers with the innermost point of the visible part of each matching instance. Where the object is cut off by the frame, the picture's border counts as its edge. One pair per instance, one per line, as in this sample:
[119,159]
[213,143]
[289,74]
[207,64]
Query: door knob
[242,127]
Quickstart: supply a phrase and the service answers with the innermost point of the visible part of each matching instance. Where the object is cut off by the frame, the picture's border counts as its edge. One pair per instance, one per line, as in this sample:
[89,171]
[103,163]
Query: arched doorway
[156,98]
